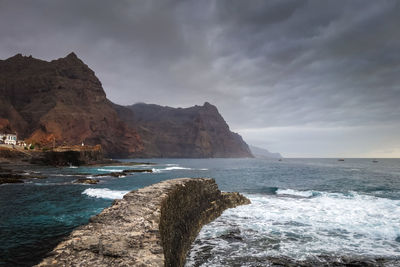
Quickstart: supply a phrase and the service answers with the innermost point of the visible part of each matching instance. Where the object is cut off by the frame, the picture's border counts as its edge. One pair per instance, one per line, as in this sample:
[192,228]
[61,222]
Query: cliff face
[153,226]
[71,155]
[194,132]
[61,101]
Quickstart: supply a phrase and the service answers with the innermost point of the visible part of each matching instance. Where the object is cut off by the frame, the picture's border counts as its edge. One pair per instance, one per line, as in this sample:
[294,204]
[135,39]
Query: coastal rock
[194,132]
[152,226]
[69,155]
[137,170]
[8,176]
[112,174]
[61,102]
[9,153]
[86,181]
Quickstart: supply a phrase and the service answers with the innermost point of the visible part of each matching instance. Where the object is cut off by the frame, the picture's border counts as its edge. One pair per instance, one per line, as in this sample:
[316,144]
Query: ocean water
[304,212]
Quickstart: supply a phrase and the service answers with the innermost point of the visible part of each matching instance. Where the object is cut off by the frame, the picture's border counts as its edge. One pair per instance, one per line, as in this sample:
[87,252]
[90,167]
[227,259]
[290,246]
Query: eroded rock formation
[153,226]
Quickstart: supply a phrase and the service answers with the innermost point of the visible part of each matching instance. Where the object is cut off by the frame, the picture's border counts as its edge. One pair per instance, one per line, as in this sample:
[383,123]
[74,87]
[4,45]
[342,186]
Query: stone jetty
[152,226]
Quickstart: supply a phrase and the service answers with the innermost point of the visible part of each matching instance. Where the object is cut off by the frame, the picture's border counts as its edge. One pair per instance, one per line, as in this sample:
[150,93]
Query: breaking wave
[311,224]
[104,193]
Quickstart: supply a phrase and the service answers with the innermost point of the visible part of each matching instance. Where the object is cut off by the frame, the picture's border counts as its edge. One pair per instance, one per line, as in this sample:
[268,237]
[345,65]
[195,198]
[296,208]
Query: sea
[303,212]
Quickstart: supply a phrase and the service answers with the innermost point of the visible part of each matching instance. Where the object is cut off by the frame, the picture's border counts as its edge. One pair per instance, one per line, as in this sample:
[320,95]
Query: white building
[8,139]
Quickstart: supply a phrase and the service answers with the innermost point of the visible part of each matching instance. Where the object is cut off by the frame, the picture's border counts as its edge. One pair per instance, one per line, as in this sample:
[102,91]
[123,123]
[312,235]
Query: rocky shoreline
[152,226]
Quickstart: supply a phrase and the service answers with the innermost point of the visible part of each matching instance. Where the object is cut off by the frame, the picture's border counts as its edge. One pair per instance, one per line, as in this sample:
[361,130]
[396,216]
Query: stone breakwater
[152,226]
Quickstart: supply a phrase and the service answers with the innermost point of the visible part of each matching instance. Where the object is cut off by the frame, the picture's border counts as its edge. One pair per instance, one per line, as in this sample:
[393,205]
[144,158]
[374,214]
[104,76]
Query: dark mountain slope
[61,101]
[194,132]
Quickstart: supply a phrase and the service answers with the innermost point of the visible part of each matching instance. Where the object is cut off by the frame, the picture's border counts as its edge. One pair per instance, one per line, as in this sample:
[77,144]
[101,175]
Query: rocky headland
[194,132]
[152,226]
[62,103]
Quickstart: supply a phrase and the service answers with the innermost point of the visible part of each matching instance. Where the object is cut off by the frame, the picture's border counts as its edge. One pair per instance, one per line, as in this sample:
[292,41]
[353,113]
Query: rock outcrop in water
[153,226]
[70,155]
[194,132]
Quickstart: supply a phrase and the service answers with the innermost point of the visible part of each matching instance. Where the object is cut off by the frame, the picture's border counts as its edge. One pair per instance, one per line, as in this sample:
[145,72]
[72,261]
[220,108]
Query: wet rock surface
[86,181]
[8,176]
[152,226]
[123,173]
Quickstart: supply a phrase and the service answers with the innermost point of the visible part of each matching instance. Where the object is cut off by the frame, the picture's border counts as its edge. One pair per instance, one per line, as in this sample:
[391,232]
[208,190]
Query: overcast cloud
[304,78]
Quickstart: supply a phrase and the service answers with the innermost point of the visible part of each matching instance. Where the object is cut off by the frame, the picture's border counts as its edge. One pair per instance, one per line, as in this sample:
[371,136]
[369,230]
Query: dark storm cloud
[266,64]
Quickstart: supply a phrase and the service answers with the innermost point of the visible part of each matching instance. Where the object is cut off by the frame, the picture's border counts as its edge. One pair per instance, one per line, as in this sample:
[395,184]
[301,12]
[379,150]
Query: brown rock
[138,170]
[61,101]
[86,181]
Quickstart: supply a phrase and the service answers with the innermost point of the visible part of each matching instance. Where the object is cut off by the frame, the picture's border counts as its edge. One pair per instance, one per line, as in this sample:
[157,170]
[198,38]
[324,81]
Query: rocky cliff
[153,226]
[61,102]
[69,155]
[194,132]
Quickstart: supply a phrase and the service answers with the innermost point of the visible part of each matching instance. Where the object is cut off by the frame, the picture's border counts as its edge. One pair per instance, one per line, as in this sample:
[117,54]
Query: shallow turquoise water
[302,208]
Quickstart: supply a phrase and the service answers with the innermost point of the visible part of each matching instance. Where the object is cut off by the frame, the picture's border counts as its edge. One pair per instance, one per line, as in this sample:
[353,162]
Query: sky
[303,78]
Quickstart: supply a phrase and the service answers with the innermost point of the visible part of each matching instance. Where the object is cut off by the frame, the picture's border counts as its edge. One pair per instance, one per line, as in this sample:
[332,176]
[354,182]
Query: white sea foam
[173,168]
[110,170]
[176,168]
[104,193]
[73,167]
[294,192]
[300,228]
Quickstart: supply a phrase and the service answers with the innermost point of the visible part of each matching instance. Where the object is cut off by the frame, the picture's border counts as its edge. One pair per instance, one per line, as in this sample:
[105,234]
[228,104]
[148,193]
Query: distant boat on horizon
[375,161]
[340,159]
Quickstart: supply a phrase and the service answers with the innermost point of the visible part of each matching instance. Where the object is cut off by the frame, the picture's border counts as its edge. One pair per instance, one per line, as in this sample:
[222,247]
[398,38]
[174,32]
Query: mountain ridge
[62,102]
[197,131]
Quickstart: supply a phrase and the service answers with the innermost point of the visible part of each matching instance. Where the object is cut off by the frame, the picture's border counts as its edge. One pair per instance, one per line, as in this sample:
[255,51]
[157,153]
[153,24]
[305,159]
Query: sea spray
[104,193]
[302,225]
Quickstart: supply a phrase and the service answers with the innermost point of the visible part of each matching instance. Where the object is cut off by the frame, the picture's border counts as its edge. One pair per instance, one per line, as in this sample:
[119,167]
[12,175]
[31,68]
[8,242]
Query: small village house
[8,139]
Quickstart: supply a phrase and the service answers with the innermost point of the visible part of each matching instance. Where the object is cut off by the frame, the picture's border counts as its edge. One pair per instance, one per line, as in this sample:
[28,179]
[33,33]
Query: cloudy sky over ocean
[304,78]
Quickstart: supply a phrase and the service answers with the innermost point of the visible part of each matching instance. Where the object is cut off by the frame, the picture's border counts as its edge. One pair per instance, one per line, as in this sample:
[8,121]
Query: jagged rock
[71,155]
[112,174]
[152,226]
[86,181]
[10,177]
[139,170]
[10,180]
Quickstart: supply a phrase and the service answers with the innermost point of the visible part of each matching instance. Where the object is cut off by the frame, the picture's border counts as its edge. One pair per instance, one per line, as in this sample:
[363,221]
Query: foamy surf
[175,168]
[104,193]
[316,225]
[291,192]
[109,170]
